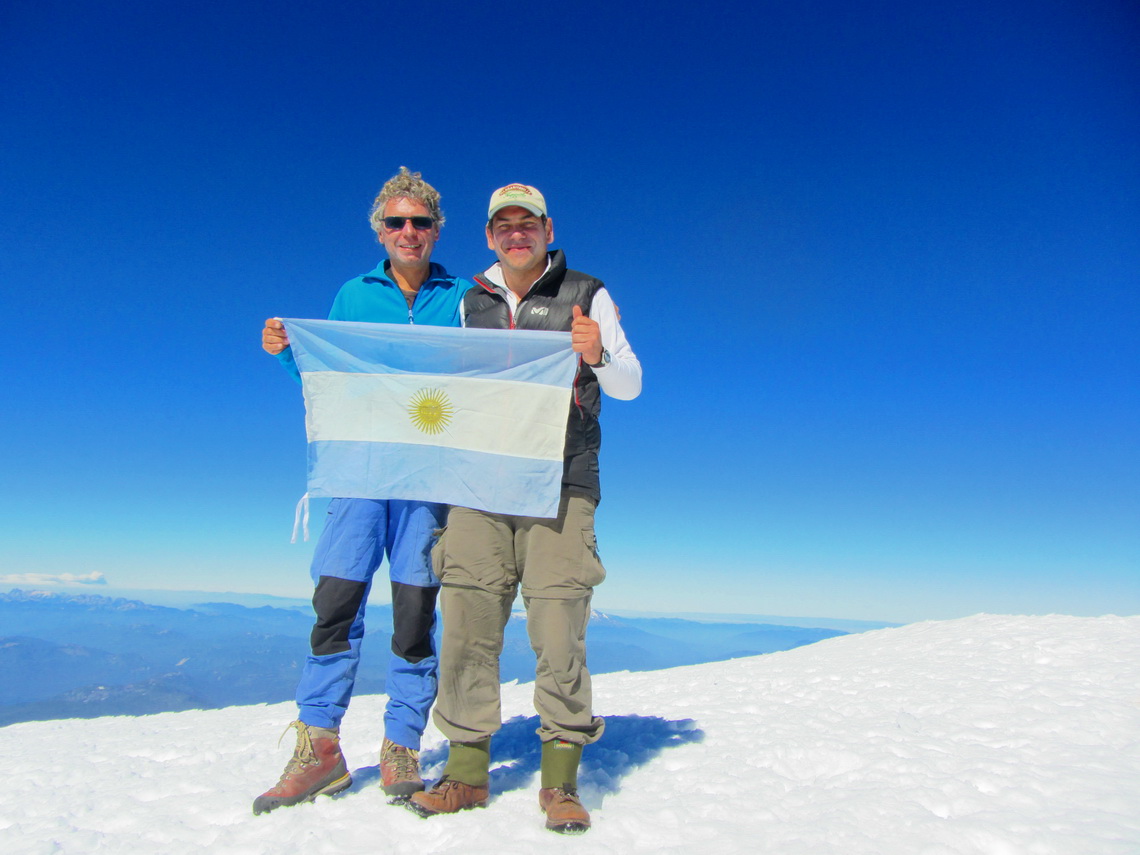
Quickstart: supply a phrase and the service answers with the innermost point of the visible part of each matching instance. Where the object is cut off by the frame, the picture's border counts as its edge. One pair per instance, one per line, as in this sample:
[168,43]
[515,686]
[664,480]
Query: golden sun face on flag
[430,410]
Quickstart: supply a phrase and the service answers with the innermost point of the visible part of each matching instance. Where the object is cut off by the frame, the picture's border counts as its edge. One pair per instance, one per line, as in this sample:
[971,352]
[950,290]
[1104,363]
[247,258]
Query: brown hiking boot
[564,813]
[316,768]
[399,770]
[448,796]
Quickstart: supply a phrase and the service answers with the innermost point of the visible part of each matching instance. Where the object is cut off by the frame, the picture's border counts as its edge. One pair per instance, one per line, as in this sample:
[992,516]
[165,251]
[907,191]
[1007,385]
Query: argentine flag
[468,417]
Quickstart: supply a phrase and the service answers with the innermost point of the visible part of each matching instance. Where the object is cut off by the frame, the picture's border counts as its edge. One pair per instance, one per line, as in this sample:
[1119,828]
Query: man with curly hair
[358,533]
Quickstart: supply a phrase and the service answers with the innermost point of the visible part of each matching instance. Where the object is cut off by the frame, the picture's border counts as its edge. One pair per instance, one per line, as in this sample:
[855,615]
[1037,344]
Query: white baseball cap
[522,195]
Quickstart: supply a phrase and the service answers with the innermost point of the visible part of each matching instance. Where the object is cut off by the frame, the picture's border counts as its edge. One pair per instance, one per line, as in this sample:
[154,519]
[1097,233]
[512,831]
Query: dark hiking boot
[564,813]
[316,768]
[399,770]
[448,796]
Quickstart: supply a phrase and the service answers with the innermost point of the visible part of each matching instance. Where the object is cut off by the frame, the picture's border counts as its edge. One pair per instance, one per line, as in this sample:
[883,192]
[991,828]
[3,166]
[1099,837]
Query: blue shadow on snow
[516,753]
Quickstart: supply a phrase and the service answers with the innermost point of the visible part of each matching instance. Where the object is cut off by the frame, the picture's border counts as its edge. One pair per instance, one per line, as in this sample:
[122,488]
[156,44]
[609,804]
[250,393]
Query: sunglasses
[395,224]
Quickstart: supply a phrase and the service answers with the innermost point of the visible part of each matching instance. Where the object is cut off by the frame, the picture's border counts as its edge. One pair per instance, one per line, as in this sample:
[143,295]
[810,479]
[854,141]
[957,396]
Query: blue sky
[881,264]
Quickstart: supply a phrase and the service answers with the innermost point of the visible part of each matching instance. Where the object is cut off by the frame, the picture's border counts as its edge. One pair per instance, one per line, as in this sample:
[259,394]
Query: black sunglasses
[395,224]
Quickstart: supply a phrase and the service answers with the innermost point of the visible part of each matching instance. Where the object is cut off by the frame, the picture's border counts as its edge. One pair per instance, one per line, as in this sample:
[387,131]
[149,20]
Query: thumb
[577,311]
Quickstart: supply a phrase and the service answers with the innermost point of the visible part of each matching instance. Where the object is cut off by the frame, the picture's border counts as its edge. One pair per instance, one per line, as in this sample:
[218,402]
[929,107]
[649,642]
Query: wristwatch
[603,362]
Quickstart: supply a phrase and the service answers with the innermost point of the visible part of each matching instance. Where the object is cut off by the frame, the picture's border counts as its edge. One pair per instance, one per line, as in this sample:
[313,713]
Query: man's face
[408,246]
[520,238]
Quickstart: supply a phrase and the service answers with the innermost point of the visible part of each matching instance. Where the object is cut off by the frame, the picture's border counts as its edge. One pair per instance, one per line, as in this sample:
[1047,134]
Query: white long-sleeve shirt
[620,379]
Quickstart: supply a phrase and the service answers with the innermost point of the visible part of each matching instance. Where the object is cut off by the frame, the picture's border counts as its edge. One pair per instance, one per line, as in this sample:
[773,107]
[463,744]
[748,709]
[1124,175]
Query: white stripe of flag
[467,417]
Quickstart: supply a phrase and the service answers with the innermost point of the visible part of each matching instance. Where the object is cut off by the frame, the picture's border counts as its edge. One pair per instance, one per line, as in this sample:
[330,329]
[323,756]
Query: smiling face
[408,248]
[519,239]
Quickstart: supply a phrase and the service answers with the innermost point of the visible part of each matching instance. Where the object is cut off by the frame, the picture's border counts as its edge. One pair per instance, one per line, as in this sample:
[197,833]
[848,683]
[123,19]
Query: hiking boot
[564,813]
[316,768]
[448,796]
[399,770]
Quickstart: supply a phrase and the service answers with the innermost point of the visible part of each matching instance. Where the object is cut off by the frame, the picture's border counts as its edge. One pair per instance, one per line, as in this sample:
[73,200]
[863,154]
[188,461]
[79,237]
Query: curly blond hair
[409,185]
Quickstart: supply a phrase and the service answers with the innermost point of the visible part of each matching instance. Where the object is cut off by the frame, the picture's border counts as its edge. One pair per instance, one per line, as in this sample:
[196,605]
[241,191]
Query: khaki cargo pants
[482,560]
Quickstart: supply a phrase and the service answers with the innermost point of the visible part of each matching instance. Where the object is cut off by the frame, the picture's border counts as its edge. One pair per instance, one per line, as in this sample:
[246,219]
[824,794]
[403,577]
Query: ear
[549,230]
[490,240]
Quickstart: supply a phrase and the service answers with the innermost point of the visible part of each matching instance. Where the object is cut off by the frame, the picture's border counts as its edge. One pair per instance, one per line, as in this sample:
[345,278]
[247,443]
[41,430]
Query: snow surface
[988,734]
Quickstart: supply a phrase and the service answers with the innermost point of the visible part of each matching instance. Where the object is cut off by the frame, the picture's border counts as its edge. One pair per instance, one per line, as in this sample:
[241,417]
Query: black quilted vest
[549,306]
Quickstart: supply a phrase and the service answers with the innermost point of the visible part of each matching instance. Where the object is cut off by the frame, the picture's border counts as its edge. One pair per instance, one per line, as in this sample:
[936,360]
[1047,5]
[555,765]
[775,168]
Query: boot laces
[404,761]
[303,754]
[444,784]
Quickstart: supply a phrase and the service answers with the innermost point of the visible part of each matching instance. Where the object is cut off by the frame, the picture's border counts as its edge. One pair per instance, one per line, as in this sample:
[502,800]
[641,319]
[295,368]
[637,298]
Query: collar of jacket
[555,270]
[436,273]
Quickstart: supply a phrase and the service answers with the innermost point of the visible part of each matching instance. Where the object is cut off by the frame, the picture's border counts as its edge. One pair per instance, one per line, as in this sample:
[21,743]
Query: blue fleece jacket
[376,298]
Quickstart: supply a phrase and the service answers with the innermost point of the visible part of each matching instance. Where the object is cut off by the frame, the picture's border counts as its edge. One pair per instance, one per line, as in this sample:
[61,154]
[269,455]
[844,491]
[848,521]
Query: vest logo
[540,310]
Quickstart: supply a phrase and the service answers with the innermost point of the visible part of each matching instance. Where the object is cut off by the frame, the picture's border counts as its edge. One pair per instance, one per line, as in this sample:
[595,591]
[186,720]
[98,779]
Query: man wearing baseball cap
[483,559]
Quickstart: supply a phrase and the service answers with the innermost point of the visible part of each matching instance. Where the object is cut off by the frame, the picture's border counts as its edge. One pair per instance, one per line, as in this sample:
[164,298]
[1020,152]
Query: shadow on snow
[629,741]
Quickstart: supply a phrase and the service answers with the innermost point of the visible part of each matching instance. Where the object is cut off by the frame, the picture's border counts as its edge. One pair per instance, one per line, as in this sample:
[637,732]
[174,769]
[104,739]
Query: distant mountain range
[81,656]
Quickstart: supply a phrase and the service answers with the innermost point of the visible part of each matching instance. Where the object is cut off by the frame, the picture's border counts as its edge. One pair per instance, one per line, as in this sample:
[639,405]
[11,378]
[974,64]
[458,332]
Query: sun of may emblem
[430,410]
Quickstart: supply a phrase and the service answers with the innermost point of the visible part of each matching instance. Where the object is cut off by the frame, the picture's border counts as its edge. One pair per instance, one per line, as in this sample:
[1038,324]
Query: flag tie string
[301,518]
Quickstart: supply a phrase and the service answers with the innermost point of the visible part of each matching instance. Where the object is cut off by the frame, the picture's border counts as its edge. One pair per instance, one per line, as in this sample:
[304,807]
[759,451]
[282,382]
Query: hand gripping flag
[468,417]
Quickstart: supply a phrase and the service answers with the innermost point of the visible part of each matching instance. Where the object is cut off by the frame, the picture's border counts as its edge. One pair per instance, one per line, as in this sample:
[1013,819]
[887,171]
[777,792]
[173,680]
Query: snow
[991,734]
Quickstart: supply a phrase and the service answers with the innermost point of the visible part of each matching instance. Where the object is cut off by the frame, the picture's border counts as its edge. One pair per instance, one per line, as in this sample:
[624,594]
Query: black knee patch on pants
[413,609]
[336,602]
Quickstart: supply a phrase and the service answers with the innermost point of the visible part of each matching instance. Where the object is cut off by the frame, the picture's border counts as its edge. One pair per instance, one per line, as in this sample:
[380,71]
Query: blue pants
[357,534]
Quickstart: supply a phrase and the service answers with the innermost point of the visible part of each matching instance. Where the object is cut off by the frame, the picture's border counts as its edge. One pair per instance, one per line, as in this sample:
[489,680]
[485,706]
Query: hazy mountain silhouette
[81,656]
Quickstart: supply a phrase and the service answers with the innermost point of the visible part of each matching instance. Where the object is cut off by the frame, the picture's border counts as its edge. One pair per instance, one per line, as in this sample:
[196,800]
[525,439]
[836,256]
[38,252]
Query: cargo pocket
[593,573]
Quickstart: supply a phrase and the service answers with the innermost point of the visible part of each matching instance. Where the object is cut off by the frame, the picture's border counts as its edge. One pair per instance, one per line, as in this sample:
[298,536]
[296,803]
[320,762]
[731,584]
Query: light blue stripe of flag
[465,417]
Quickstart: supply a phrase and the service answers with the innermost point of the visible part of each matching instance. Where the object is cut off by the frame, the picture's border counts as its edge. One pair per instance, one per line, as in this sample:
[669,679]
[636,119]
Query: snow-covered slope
[988,734]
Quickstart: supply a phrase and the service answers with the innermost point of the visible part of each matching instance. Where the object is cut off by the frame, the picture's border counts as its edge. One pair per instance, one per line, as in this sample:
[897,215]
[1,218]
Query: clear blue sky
[880,261]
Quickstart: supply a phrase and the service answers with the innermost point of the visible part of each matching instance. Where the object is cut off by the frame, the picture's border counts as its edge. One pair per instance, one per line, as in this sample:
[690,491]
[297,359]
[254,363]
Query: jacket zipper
[411,317]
